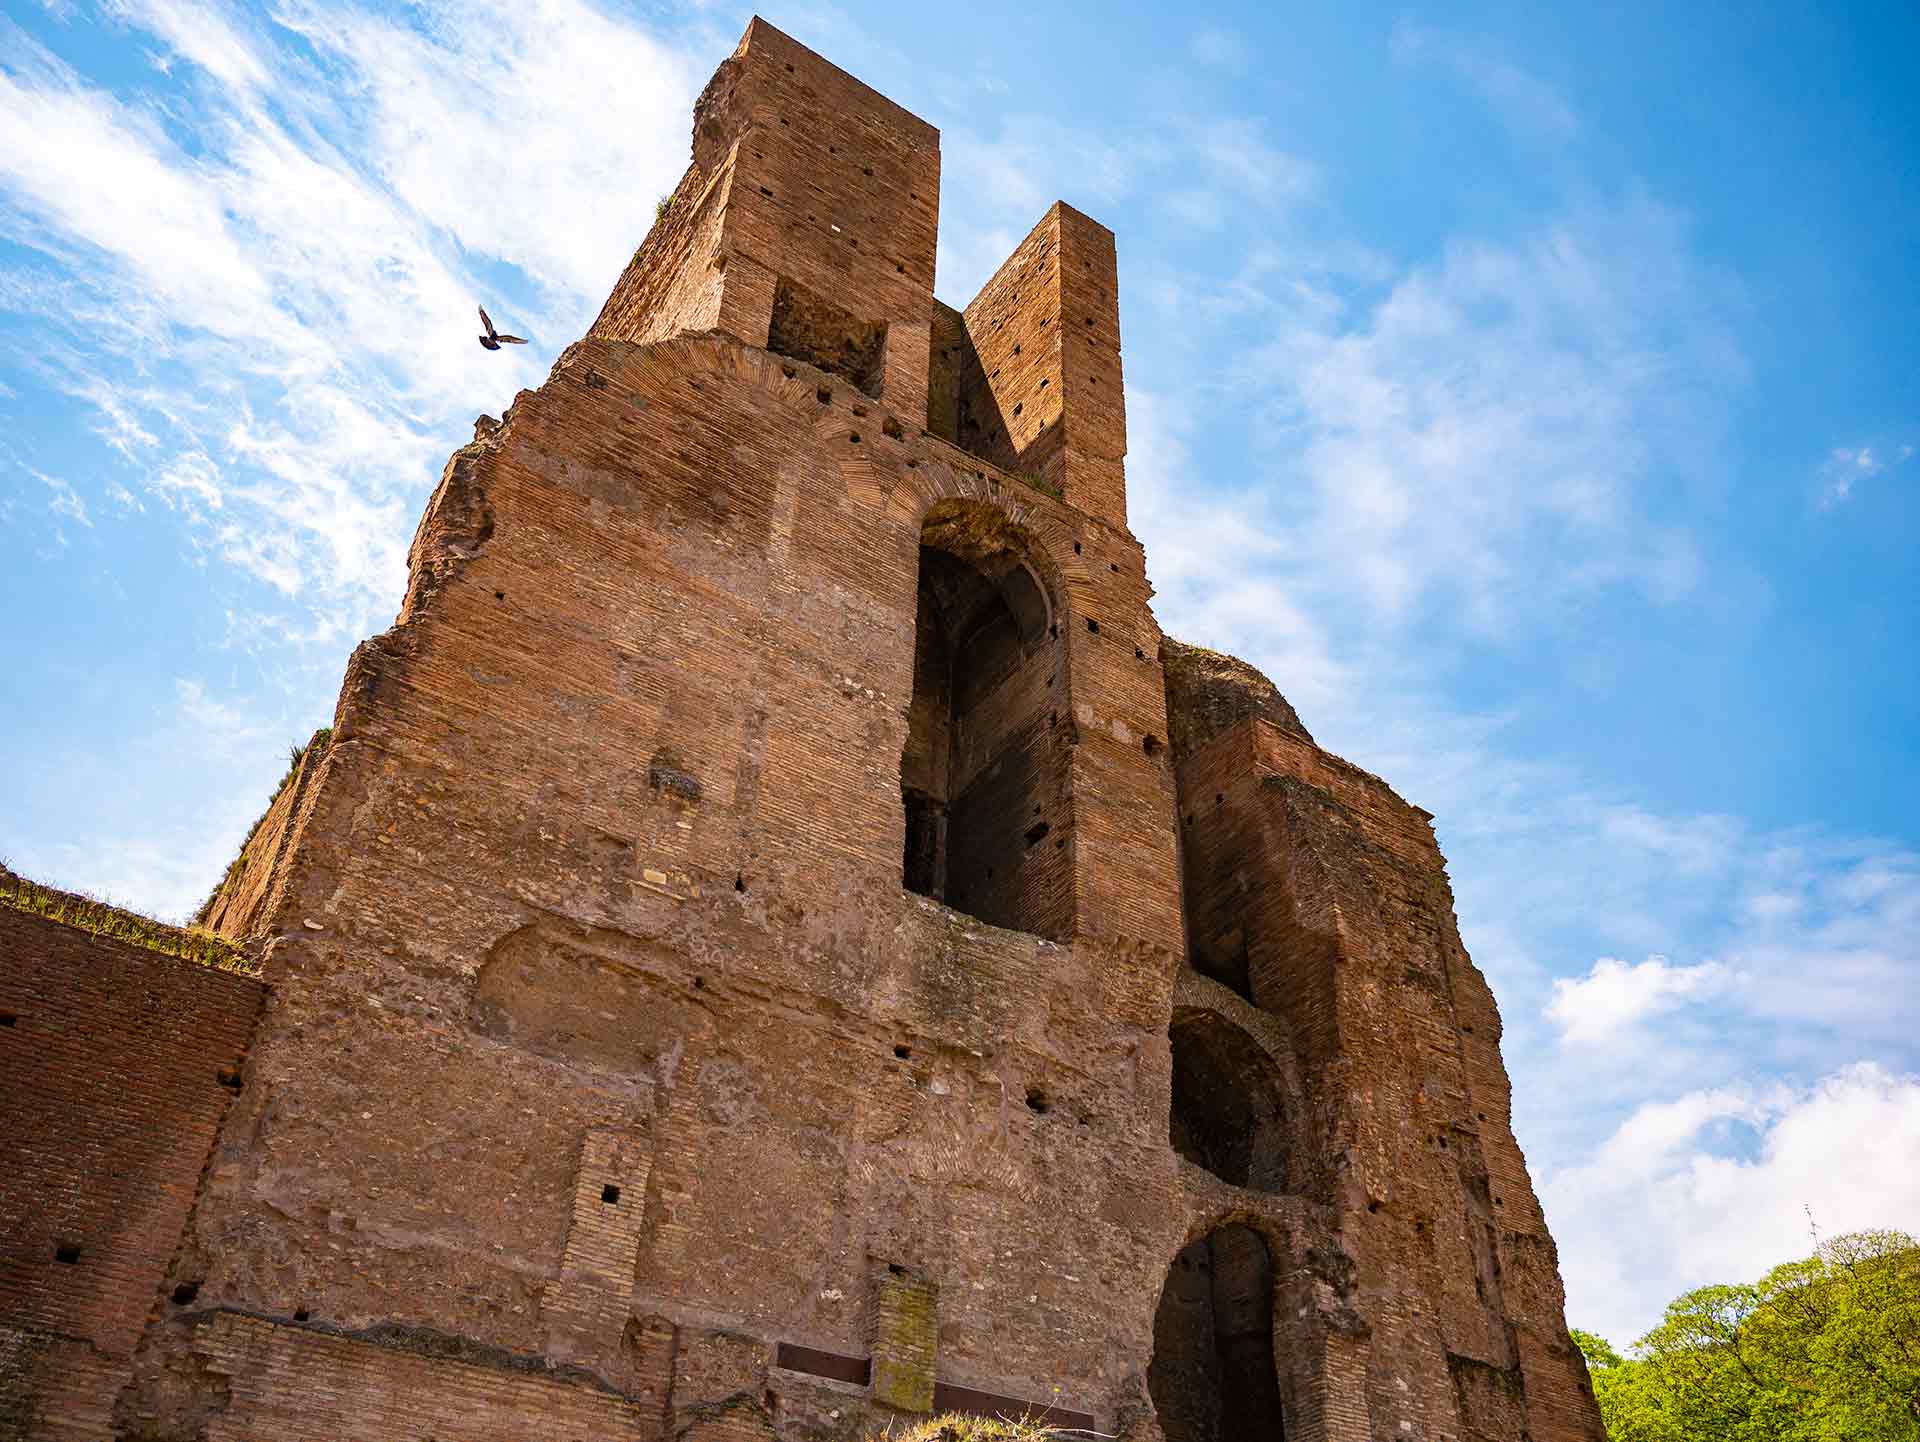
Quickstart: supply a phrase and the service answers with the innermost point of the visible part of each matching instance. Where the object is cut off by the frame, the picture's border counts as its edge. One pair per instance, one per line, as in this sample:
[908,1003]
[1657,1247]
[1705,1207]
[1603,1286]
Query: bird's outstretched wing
[487,321]
[510,339]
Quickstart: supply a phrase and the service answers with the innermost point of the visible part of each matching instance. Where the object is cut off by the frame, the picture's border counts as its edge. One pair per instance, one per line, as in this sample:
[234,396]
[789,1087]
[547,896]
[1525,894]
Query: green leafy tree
[1821,1350]
[1623,1388]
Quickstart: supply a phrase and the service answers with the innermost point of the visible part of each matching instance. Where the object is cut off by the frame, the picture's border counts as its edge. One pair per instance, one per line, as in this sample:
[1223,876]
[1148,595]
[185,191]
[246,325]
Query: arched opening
[1213,1377]
[984,776]
[1227,1113]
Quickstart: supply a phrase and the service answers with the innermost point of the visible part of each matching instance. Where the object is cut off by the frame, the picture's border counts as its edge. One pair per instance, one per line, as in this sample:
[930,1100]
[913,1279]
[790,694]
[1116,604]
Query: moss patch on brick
[1040,483]
[100,918]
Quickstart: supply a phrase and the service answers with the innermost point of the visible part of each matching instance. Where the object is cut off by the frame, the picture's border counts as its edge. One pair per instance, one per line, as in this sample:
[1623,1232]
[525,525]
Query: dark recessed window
[609,1193]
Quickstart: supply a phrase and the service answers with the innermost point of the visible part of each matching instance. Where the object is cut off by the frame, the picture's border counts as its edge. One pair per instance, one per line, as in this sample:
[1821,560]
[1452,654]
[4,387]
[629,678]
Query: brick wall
[120,1064]
[1038,384]
[600,883]
[803,181]
[243,898]
[1310,883]
[298,1385]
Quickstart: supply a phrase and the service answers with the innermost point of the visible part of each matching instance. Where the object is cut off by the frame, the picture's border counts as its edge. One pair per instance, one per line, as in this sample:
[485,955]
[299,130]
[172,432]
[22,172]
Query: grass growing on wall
[316,747]
[100,918]
[957,1427]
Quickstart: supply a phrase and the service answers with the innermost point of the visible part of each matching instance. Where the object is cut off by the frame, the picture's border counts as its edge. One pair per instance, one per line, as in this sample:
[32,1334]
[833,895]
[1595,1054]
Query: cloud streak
[1616,995]
[1523,100]
[1845,466]
[281,350]
[1717,1185]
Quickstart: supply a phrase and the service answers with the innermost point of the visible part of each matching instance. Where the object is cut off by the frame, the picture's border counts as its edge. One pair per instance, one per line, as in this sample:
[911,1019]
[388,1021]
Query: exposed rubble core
[778,944]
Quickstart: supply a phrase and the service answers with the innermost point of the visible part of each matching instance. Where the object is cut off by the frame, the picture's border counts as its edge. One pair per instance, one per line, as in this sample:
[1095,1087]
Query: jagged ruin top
[1223,691]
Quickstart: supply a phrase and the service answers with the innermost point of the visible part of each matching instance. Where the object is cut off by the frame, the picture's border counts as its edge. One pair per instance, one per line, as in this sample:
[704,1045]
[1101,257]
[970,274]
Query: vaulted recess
[1213,1377]
[984,778]
[1228,1113]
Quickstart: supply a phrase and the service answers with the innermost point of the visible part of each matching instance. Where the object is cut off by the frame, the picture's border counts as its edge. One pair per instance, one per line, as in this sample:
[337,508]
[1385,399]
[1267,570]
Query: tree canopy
[1821,1350]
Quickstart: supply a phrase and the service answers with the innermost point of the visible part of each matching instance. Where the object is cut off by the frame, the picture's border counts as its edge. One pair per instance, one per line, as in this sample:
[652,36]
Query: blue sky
[1533,393]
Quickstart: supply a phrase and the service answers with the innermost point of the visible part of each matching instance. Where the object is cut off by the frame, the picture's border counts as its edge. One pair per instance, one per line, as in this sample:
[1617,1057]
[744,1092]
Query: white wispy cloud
[1521,98]
[1477,435]
[214,717]
[1616,994]
[65,501]
[1241,161]
[204,34]
[1716,1186]
[1214,45]
[1201,168]
[286,351]
[539,135]
[1846,465]
[1487,428]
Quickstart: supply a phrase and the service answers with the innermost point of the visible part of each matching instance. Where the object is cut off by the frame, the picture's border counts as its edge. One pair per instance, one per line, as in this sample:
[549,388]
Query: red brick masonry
[779,938]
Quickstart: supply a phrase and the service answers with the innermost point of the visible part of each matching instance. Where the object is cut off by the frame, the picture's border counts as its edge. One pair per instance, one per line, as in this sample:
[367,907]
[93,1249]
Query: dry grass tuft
[958,1427]
[101,918]
[315,747]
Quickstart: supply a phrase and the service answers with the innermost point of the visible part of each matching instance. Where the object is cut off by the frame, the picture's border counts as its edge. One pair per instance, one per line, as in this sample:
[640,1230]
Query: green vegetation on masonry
[1821,1350]
[1041,484]
[957,1427]
[661,207]
[99,918]
[317,747]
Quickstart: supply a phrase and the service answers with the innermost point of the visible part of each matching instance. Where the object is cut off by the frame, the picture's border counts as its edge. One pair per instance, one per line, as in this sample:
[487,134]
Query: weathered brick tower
[779,941]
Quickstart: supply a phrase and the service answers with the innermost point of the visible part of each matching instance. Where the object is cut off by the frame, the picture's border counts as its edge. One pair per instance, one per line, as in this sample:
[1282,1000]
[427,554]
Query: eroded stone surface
[641,1056]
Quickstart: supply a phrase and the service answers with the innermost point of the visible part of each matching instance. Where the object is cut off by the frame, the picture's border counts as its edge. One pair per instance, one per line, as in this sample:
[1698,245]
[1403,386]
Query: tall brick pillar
[805,225]
[1045,396]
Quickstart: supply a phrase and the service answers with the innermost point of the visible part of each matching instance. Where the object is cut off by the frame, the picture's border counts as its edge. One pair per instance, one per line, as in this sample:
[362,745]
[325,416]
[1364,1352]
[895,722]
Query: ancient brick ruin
[779,941]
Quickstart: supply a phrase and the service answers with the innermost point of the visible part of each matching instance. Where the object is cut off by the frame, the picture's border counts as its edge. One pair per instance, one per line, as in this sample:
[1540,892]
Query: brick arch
[918,490]
[908,477]
[1216,1374]
[1271,1036]
[699,356]
[1301,1277]
[986,772]
[1230,1110]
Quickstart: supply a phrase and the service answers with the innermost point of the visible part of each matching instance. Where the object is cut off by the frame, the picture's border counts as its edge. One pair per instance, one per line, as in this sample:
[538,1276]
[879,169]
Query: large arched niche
[1214,1377]
[1229,1111]
[984,776]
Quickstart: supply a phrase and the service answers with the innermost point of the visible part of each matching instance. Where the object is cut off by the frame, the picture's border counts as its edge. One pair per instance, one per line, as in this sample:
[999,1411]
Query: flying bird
[493,340]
